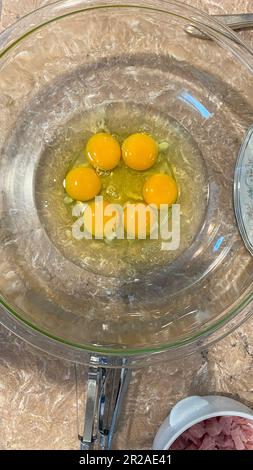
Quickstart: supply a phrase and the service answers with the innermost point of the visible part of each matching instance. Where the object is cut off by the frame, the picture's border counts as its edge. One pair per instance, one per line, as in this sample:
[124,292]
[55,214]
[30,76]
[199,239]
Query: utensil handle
[238,21]
[106,389]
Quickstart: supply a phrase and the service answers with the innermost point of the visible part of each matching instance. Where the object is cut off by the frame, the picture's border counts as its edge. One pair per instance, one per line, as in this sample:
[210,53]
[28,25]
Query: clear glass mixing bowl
[70,58]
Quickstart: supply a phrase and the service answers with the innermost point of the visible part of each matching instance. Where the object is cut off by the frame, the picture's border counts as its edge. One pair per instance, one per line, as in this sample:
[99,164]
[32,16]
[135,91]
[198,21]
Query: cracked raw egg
[139,151]
[160,189]
[139,220]
[103,151]
[82,184]
[101,218]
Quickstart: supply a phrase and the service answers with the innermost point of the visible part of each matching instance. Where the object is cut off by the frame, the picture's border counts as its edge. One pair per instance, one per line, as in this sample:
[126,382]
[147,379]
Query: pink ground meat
[219,433]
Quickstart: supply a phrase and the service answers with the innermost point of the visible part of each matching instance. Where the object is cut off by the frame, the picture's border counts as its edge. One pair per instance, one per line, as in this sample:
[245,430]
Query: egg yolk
[139,151]
[97,222]
[82,184]
[139,220]
[103,151]
[160,189]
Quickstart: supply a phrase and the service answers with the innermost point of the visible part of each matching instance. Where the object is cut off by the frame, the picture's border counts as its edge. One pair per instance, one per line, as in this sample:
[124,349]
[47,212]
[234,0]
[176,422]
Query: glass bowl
[58,65]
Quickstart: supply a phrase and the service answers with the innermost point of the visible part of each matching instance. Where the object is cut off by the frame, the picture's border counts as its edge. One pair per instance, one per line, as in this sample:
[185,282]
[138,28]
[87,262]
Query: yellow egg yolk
[103,151]
[99,222]
[82,184]
[139,151]
[160,189]
[139,220]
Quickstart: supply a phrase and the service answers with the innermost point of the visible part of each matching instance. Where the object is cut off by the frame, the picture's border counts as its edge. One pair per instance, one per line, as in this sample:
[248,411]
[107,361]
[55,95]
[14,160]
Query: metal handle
[235,22]
[106,389]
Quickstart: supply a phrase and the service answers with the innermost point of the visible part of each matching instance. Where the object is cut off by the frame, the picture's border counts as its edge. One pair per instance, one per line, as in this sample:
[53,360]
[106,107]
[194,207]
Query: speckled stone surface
[38,406]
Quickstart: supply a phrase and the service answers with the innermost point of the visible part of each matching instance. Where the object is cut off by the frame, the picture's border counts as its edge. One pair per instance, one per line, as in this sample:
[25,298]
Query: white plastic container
[193,410]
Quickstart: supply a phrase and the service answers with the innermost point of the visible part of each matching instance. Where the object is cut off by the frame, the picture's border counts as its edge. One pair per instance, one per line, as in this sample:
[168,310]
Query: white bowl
[193,410]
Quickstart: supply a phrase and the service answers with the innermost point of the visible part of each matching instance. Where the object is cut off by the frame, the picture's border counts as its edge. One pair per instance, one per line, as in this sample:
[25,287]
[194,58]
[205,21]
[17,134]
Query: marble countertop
[38,405]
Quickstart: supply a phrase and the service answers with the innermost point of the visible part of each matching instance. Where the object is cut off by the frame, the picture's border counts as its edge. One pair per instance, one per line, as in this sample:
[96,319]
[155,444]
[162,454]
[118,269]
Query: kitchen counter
[38,405]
